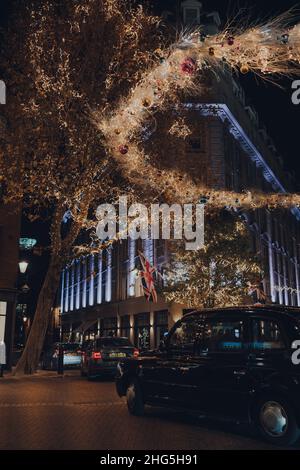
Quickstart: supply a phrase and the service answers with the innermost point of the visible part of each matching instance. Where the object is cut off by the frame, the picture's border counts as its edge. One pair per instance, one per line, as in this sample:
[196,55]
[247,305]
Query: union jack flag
[148,274]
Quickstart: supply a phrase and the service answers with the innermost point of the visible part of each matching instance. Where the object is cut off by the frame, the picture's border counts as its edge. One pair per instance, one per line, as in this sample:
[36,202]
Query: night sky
[273,104]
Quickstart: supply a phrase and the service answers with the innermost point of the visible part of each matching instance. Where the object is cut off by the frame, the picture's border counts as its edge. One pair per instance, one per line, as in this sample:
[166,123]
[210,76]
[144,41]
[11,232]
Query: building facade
[229,148]
[10,218]
[101,294]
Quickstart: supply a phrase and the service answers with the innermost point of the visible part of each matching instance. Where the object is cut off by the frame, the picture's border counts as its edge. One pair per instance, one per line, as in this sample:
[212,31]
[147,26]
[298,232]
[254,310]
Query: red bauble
[123,149]
[188,66]
[230,41]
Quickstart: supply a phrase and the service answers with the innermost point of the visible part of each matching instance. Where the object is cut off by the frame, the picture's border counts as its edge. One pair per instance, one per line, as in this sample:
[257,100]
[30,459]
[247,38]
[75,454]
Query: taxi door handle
[239,373]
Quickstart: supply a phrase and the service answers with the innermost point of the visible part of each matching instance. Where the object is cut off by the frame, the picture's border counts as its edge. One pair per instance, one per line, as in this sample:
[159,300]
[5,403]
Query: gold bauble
[146,102]
[244,69]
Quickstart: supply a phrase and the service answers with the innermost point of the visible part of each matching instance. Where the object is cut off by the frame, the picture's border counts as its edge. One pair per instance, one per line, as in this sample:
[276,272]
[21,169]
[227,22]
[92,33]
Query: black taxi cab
[239,363]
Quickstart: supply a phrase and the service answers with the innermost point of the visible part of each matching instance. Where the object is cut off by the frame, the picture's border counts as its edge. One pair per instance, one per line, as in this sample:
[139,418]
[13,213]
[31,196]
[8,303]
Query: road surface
[51,412]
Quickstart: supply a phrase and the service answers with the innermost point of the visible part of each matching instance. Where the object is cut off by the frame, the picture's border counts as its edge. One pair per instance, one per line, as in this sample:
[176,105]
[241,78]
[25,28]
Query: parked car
[234,363]
[72,356]
[102,356]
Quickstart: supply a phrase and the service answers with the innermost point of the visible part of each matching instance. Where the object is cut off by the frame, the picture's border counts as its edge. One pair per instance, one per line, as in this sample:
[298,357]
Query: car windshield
[112,342]
[71,346]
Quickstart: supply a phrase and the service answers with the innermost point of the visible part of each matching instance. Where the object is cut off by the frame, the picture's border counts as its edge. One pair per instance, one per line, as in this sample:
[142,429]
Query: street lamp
[23,266]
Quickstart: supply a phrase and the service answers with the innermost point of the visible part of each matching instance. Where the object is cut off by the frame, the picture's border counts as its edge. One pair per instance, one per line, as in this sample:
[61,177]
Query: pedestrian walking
[2,357]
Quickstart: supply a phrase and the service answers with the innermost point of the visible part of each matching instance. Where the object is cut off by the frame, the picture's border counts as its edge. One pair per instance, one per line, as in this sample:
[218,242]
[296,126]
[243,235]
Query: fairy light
[268,50]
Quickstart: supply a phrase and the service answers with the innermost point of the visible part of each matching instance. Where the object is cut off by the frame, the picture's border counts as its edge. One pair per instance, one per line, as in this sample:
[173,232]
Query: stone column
[62,291]
[67,286]
[285,276]
[91,275]
[108,275]
[271,257]
[77,300]
[84,281]
[72,286]
[131,335]
[99,287]
[131,268]
[296,272]
[152,330]
[118,325]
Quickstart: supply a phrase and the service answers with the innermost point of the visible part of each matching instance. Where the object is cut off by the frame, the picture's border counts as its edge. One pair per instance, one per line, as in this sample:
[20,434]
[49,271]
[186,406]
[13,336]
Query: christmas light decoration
[219,274]
[268,50]
[110,60]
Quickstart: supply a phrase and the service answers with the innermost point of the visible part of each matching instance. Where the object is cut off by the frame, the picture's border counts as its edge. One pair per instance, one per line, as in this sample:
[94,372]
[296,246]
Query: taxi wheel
[276,421]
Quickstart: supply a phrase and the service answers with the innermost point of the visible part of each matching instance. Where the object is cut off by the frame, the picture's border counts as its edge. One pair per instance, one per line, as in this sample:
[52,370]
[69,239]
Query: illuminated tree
[62,60]
[218,275]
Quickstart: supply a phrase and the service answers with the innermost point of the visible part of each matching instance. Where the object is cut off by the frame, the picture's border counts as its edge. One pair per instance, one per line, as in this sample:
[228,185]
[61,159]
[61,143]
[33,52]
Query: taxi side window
[267,335]
[186,334]
[223,335]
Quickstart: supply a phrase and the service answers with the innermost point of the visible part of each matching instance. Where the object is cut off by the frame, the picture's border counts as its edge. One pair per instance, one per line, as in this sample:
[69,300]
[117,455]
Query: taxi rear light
[96,355]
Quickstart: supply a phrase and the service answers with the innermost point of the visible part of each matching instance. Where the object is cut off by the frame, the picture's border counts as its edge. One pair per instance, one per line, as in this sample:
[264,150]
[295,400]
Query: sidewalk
[41,374]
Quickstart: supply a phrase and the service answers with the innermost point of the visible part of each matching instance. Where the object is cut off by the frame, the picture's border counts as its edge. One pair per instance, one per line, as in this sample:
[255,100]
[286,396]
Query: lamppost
[60,362]
[23,265]
[22,320]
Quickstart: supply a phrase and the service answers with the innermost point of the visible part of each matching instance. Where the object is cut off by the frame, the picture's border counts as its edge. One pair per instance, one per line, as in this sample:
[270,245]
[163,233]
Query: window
[109,327]
[194,145]
[142,330]
[187,334]
[191,15]
[223,335]
[125,326]
[191,12]
[161,326]
[267,335]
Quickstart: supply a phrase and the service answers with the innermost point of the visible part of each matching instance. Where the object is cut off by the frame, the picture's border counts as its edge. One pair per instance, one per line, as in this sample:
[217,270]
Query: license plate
[117,355]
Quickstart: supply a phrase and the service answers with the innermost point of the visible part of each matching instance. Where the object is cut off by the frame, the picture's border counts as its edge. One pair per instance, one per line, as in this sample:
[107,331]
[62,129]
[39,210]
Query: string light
[268,50]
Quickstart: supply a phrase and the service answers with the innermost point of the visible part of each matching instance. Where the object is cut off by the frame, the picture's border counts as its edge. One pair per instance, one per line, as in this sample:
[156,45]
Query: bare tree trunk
[29,360]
